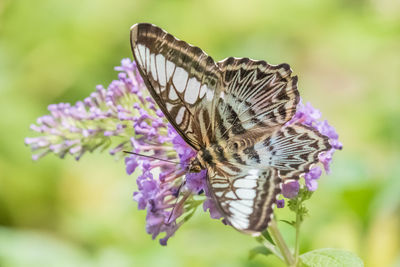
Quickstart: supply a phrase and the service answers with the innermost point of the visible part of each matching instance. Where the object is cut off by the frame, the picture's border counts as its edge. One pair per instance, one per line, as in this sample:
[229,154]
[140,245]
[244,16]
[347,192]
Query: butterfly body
[234,113]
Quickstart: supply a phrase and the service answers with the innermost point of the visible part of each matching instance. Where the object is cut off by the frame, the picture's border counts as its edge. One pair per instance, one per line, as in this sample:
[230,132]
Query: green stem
[280,242]
[297,242]
[273,249]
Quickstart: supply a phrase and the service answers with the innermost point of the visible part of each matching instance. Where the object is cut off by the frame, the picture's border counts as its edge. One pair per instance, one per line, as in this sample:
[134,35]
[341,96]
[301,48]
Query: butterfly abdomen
[212,155]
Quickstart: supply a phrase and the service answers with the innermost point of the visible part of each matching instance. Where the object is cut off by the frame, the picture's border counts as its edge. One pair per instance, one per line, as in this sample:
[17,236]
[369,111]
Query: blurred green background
[66,213]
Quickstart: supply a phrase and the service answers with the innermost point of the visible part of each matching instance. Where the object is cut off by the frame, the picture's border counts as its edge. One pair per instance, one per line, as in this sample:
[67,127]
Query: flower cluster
[91,124]
[125,117]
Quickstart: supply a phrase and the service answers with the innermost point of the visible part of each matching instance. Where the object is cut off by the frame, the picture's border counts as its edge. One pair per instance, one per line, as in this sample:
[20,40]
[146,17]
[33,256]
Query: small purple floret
[280,203]
[311,177]
[290,189]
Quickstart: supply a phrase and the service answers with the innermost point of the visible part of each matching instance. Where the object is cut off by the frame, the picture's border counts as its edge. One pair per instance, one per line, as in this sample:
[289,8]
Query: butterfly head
[197,164]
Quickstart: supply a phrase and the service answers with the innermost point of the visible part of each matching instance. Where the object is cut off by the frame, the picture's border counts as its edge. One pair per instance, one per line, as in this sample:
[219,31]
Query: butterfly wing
[292,150]
[245,186]
[258,97]
[245,194]
[181,78]
[261,151]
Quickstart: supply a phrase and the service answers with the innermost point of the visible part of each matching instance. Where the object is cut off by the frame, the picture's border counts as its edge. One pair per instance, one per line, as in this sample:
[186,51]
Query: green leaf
[326,257]
[292,204]
[259,250]
[292,223]
[267,236]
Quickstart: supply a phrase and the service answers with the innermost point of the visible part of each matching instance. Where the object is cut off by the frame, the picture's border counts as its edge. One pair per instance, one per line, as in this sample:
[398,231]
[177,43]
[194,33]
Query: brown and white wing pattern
[245,195]
[292,150]
[246,184]
[257,97]
[181,78]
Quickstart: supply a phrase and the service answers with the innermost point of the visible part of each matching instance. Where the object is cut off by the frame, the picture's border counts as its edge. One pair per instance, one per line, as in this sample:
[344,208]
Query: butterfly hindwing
[293,149]
[181,78]
[246,184]
[245,195]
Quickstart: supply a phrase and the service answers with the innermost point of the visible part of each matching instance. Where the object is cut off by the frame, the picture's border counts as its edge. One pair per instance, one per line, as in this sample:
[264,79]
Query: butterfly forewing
[181,78]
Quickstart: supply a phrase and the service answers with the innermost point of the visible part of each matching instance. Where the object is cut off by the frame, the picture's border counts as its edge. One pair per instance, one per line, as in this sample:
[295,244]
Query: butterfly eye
[219,150]
[233,146]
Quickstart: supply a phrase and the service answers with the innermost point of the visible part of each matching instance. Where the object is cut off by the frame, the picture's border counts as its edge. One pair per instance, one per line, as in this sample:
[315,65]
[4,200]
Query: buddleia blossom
[125,117]
[310,116]
[92,123]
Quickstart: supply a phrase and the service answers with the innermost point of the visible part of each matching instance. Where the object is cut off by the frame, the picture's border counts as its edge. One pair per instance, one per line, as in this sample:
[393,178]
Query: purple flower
[311,177]
[210,205]
[306,114]
[90,124]
[196,182]
[290,189]
[280,203]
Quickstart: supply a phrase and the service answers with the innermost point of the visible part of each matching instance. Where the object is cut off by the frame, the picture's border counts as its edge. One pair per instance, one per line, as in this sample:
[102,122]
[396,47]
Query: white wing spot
[242,208]
[169,107]
[237,213]
[245,193]
[246,202]
[147,56]
[170,69]
[230,194]
[153,67]
[180,79]
[160,62]
[220,185]
[252,177]
[172,94]
[179,116]
[210,94]
[192,91]
[253,172]
[203,91]
[239,224]
[245,183]
[141,53]
[219,193]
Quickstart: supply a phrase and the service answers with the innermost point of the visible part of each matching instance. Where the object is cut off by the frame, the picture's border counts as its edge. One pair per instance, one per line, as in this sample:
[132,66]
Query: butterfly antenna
[176,201]
[151,157]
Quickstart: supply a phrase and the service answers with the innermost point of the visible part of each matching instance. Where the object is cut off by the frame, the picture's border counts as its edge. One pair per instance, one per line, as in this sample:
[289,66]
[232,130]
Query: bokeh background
[66,213]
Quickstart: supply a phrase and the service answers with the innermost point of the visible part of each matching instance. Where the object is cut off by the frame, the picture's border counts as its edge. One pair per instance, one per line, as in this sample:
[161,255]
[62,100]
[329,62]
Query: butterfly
[234,114]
